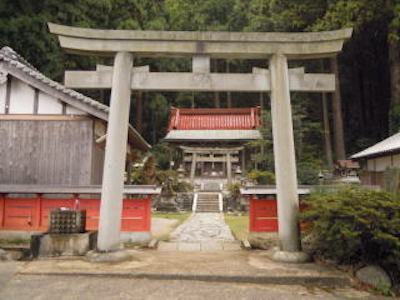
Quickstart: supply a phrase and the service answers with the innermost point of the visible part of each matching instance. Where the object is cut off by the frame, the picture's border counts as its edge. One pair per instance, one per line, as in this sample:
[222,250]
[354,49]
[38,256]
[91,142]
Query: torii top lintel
[189,43]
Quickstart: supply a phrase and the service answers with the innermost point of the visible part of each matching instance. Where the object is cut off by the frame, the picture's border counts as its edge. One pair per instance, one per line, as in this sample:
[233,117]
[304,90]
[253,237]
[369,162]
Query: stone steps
[207,203]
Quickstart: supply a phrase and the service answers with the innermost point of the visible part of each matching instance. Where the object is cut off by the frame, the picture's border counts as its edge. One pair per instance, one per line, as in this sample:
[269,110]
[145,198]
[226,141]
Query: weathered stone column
[229,168]
[193,168]
[284,154]
[117,135]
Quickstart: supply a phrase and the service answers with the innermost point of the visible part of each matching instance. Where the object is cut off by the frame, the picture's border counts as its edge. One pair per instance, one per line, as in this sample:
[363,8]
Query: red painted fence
[30,212]
[264,214]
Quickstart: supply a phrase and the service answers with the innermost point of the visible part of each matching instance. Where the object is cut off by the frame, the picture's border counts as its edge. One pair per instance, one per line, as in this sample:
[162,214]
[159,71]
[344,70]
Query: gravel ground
[28,287]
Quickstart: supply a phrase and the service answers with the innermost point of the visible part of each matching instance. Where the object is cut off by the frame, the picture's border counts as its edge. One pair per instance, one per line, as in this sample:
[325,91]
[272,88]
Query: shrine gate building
[213,141]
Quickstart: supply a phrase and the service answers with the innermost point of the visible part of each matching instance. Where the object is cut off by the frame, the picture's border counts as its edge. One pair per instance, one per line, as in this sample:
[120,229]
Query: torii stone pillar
[284,154]
[113,173]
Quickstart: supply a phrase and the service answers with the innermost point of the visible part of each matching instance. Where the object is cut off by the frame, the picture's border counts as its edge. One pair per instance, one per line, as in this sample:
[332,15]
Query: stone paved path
[203,227]
[201,232]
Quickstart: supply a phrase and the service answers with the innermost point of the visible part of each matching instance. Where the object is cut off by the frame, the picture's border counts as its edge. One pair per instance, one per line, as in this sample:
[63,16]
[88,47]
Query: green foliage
[355,225]
[261,177]
[394,119]
[391,181]
[234,190]
[163,153]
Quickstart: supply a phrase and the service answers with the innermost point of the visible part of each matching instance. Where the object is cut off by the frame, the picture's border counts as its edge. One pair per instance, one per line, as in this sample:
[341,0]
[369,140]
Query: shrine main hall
[213,141]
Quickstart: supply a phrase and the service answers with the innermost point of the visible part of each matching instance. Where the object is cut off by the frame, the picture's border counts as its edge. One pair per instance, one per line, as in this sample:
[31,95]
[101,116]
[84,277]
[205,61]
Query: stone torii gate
[277,48]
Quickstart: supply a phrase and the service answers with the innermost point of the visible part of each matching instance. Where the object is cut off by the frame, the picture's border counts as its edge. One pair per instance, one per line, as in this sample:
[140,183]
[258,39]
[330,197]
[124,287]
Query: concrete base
[16,234]
[114,256]
[49,244]
[136,237]
[263,240]
[290,257]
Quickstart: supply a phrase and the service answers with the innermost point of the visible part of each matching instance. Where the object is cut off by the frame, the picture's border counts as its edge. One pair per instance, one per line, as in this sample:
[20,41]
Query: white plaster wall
[21,98]
[370,164]
[396,160]
[73,111]
[3,89]
[382,163]
[49,105]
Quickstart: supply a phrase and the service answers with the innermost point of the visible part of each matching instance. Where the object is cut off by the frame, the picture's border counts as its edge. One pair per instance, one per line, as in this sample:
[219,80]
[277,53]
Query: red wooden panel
[48,204]
[20,213]
[1,210]
[32,213]
[136,215]
[92,207]
[263,215]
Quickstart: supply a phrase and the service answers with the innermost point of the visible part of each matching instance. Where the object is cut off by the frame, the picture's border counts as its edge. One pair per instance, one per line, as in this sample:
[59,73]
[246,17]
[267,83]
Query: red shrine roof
[214,119]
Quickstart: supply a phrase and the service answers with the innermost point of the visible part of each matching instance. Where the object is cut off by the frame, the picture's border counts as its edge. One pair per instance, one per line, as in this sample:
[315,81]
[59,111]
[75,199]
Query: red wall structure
[264,214]
[30,212]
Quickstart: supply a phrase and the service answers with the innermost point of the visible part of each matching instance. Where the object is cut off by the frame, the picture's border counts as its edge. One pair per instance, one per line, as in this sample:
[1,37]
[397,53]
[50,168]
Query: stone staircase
[208,202]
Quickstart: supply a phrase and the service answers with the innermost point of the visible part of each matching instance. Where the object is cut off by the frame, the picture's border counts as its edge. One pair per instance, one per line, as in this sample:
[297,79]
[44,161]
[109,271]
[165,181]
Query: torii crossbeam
[277,48]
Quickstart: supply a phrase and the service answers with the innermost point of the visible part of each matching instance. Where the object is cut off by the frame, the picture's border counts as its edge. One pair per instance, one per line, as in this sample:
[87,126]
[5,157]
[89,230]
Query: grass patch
[181,217]
[239,226]
[14,241]
[176,216]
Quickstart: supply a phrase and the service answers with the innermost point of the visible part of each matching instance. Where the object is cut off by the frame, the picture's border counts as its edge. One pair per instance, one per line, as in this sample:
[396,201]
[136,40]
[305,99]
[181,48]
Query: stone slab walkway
[203,227]
[201,232]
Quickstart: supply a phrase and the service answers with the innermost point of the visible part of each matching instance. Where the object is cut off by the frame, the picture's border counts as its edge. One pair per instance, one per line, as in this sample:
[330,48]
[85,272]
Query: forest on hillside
[368,67]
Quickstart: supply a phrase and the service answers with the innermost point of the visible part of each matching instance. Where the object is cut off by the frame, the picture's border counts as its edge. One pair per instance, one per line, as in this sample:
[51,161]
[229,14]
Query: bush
[354,225]
[261,177]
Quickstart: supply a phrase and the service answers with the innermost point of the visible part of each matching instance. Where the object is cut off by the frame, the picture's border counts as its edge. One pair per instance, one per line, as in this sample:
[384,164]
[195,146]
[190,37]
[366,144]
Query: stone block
[49,244]
[211,246]
[375,276]
[189,247]
[263,240]
[232,246]
[165,246]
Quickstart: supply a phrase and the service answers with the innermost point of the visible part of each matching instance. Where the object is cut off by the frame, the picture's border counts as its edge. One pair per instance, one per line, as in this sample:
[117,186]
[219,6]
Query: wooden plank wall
[46,152]
[97,164]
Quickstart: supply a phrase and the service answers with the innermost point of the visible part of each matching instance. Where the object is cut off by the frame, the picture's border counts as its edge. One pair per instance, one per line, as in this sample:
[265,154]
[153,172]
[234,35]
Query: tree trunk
[394,63]
[327,134]
[340,151]
[139,112]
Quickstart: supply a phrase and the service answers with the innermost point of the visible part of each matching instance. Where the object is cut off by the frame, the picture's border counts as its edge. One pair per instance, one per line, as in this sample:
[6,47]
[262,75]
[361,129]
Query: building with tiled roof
[213,140]
[378,158]
[50,134]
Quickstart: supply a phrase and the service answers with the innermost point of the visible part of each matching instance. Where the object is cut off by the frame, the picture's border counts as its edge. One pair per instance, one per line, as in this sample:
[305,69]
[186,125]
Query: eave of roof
[212,135]
[386,147]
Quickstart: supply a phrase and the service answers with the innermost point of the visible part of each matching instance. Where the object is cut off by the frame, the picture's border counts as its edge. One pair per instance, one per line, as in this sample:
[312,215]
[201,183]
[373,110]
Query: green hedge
[353,225]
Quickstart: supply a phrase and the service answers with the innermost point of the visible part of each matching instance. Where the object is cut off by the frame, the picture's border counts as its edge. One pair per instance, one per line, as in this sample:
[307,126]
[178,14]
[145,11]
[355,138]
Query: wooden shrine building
[213,141]
[50,134]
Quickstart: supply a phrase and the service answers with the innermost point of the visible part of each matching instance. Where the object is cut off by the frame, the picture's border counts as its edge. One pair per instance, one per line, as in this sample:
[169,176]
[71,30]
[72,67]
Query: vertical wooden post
[327,133]
[243,161]
[340,151]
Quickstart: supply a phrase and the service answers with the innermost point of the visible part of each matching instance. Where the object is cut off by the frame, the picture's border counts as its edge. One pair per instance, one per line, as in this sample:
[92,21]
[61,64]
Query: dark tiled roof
[15,60]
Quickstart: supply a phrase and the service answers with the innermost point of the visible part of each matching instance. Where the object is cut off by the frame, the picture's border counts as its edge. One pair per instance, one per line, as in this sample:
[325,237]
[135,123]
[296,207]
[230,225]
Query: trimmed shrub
[353,225]
[261,177]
